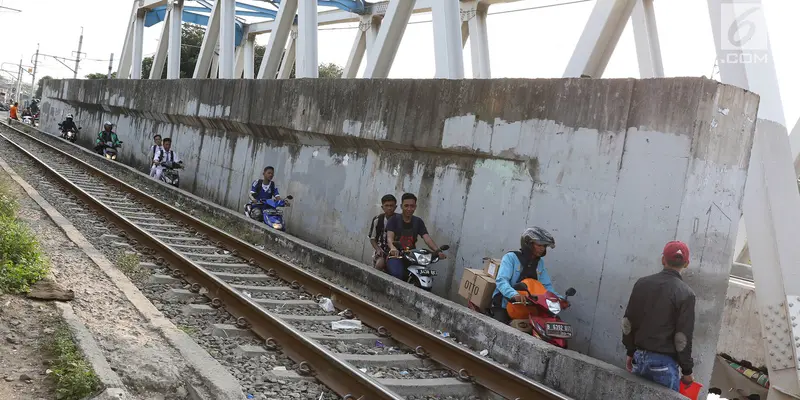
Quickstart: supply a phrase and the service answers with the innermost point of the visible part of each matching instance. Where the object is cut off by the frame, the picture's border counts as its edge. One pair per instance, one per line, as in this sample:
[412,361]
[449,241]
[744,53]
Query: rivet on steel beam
[241,322]
[295,285]
[161,261]
[195,288]
[382,331]
[271,344]
[304,368]
[421,352]
[463,375]
[271,272]
[216,303]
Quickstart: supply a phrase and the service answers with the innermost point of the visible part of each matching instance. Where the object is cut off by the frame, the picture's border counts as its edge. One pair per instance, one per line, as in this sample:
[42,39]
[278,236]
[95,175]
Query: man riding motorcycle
[518,265]
[260,191]
[106,138]
[67,125]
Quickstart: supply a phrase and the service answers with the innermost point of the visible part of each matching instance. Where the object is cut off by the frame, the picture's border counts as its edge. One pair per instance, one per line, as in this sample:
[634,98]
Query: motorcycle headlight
[554,306]
[277,226]
[423,259]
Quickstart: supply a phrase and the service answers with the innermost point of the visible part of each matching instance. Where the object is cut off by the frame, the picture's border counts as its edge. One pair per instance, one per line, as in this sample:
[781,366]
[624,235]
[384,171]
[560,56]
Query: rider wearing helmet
[106,138]
[518,265]
[67,125]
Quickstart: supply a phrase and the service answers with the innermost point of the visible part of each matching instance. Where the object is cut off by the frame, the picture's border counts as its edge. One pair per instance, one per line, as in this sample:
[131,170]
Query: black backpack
[259,187]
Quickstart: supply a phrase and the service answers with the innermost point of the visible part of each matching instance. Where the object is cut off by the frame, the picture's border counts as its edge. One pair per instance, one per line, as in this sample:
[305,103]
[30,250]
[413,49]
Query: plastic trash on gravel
[346,324]
[326,304]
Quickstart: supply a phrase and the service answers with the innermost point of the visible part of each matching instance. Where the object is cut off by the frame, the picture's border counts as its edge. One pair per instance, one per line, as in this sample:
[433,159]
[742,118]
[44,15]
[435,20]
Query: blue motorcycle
[270,211]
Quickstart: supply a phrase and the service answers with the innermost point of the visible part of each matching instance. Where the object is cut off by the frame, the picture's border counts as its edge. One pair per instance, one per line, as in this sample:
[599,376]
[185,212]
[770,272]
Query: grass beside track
[75,379]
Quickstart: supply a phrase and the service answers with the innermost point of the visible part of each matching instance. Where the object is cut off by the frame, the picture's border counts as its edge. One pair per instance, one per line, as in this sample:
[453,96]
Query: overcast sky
[525,43]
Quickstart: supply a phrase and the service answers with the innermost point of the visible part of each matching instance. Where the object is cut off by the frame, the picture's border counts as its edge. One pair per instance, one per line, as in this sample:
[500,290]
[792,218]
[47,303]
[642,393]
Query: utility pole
[78,57]
[19,83]
[110,65]
[35,64]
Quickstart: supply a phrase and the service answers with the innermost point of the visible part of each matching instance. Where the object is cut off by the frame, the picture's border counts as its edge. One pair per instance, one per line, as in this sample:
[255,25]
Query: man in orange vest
[13,112]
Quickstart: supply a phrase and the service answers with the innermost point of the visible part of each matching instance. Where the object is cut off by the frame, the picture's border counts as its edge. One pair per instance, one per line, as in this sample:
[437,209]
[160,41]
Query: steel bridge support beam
[307,52]
[124,67]
[398,12]
[289,56]
[447,39]
[249,57]
[473,15]
[645,32]
[227,38]
[175,26]
[238,69]
[214,73]
[277,39]
[209,43]
[138,42]
[599,38]
[771,201]
[160,57]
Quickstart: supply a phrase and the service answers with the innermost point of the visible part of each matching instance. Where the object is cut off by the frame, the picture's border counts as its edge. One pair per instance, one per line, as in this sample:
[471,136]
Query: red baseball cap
[676,251]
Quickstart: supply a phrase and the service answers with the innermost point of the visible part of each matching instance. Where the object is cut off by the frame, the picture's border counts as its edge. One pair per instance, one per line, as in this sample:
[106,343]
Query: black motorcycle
[70,134]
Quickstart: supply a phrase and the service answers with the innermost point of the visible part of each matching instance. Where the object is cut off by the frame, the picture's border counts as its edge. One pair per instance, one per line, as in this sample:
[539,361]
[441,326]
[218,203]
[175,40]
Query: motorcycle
[109,150]
[27,119]
[538,312]
[170,174]
[271,212]
[69,134]
[418,263]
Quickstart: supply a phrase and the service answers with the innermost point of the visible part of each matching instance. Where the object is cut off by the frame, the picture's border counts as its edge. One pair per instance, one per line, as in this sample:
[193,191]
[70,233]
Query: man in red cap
[659,322]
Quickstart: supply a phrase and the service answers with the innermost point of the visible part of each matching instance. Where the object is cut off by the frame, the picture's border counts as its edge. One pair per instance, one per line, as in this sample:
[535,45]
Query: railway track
[277,301]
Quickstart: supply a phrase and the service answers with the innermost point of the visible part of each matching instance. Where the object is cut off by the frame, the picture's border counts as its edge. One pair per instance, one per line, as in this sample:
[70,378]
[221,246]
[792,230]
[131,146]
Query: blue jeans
[659,368]
[396,267]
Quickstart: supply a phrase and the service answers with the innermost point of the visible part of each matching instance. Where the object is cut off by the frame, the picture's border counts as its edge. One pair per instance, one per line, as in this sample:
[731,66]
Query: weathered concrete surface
[614,168]
[741,335]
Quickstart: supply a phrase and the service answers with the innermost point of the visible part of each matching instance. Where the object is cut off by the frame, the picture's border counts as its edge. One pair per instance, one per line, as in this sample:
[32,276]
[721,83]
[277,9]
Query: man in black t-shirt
[377,231]
[405,228]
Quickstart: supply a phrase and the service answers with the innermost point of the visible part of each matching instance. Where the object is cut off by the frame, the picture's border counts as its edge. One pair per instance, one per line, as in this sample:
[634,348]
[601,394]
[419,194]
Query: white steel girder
[473,15]
[238,68]
[249,57]
[209,44]
[398,12]
[289,56]
[277,40]
[227,38]
[175,31]
[307,63]
[160,57]
[599,38]
[448,47]
[214,73]
[645,32]
[771,200]
[124,68]
[138,42]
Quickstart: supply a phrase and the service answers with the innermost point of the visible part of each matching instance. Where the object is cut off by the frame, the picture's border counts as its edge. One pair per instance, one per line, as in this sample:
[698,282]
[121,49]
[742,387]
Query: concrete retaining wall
[614,168]
[741,338]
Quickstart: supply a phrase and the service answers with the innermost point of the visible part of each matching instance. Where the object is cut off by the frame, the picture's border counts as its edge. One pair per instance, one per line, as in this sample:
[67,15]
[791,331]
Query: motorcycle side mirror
[445,247]
[571,292]
[289,197]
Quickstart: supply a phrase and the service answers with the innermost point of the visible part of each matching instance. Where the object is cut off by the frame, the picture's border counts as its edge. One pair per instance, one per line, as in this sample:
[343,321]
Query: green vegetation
[187,329]
[74,376]
[128,263]
[245,234]
[21,260]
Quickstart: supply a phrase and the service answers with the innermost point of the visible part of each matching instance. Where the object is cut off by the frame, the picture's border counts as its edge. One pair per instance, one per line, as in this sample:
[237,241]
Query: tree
[330,70]
[191,41]
[101,75]
[40,86]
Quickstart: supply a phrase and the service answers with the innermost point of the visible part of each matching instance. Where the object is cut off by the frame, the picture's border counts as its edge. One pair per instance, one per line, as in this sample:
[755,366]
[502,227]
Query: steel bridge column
[227,38]
[160,58]
[771,201]
[599,38]
[372,35]
[238,68]
[645,32]
[175,26]
[398,12]
[474,12]
[289,56]
[358,49]
[447,39]
[277,39]
[124,67]
[138,41]
[249,57]
[209,43]
[307,54]
[214,73]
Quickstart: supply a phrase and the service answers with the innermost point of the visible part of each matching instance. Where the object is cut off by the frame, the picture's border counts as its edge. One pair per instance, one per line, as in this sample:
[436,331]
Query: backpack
[161,155]
[259,187]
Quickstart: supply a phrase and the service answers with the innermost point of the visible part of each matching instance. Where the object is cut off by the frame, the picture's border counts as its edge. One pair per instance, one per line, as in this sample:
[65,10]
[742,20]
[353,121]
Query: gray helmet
[537,235]
[69,116]
[108,123]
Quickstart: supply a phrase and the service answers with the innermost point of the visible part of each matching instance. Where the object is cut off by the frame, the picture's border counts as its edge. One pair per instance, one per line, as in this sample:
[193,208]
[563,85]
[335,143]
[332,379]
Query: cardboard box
[477,287]
[491,266]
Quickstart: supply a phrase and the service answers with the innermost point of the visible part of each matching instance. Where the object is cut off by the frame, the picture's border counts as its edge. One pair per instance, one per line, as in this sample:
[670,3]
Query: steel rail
[340,376]
[470,366]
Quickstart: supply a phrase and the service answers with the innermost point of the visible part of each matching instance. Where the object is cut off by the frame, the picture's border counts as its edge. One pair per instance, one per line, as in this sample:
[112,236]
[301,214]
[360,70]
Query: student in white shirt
[165,157]
[154,149]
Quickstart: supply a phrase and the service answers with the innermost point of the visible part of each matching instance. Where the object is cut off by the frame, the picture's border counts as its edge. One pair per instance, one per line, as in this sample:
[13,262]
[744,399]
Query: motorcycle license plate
[558,330]
[426,272]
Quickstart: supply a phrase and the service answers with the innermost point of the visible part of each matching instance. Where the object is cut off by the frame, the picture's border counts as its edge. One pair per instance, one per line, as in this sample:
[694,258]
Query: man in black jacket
[377,231]
[659,322]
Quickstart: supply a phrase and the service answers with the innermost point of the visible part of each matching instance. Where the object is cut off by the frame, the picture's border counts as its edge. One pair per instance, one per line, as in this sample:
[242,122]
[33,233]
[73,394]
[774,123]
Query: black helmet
[537,235]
